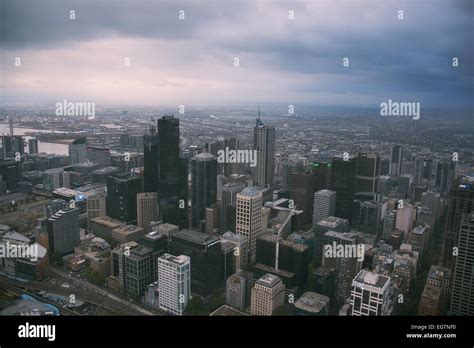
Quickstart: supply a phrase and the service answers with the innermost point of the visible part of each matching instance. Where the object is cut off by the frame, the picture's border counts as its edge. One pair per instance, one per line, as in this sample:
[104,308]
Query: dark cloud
[387,56]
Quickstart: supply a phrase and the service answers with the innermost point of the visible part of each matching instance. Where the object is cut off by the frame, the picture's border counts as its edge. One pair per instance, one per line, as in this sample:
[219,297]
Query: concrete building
[268,294]
[249,217]
[370,294]
[147,209]
[312,303]
[324,205]
[235,291]
[174,279]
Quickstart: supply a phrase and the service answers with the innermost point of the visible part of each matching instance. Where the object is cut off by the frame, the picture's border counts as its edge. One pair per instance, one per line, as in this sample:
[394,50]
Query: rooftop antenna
[259,112]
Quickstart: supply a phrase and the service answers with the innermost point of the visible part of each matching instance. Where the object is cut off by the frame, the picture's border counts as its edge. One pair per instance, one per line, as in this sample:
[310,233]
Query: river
[60,149]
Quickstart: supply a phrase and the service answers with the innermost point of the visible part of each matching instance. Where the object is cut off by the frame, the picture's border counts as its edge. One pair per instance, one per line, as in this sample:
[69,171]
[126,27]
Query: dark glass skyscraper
[122,192]
[204,185]
[367,172]
[151,157]
[343,182]
[461,201]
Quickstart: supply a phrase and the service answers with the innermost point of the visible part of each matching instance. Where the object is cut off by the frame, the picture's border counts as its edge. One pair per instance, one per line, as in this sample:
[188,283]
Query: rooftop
[269,280]
[312,302]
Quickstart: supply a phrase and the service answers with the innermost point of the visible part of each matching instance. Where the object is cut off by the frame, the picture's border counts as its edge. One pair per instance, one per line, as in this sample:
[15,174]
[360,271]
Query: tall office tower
[235,291]
[241,248]
[389,224]
[96,207]
[432,200]
[147,209]
[203,186]
[423,169]
[324,205]
[210,266]
[445,172]
[33,146]
[249,218]
[404,185]
[151,157]
[370,294]
[264,143]
[78,151]
[212,219]
[10,174]
[405,219]
[461,201]
[138,270]
[436,294]
[229,197]
[231,168]
[396,160]
[292,257]
[323,172]
[122,191]
[331,223]
[172,173]
[268,294]
[213,149]
[174,279]
[10,145]
[346,267]
[288,170]
[55,178]
[367,172]
[63,231]
[302,193]
[462,299]
[366,216]
[343,180]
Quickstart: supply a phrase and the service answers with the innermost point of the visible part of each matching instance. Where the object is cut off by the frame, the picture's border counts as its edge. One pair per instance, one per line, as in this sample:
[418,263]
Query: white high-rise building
[370,294]
[249,217]
[174,279]
[324,205]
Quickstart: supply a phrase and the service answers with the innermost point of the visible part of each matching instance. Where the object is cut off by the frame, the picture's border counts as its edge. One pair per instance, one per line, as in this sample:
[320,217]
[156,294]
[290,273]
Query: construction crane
[283,226]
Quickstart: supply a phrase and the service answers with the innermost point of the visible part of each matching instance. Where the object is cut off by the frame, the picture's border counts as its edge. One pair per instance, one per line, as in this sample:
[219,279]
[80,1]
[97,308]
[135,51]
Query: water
[59,149]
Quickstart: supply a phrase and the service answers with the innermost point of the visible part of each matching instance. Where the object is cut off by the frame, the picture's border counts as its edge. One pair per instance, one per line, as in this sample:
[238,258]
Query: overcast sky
[191,61]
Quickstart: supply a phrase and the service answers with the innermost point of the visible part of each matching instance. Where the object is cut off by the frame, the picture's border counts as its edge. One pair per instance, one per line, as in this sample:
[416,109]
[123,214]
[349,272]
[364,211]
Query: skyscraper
[229,198]
[461,201]
[370,294]
[147,209]
[203,187]
[302,193]
[268,294]
[63,231]
[264,144]
[396,160]
[33,146]
[462,299]
[151,161]
[367,172]
[174,279]
[249,217]
[78,151]
[324,205]
[343,180]
[122,190]
[172,173]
